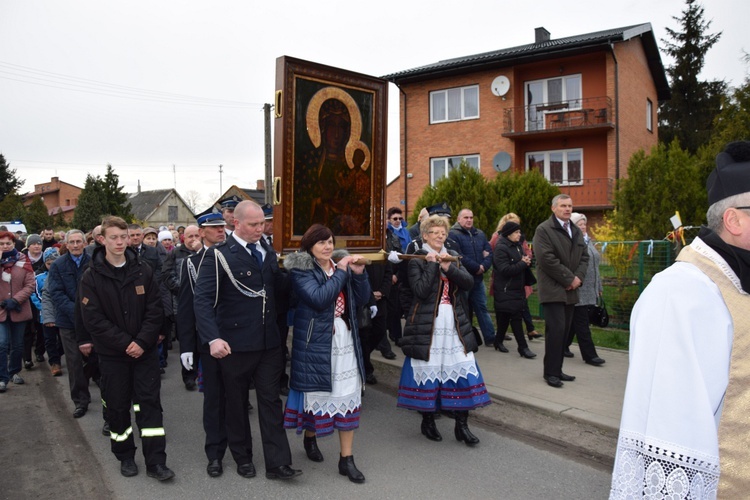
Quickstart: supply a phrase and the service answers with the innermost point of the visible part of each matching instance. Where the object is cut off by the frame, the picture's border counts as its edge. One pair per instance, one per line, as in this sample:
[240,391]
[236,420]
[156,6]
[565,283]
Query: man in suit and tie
[562,261]
[235,311]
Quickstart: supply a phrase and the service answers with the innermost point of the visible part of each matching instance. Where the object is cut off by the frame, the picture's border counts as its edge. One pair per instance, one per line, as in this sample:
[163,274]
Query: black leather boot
[462,429]
[499,343]
[311,448]
[429,429]
[347,468]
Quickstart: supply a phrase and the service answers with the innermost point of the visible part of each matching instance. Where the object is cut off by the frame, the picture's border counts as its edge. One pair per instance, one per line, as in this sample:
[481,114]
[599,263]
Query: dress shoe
[214,468]
[55,370]
[28,364]
[347,468]
[371,379]
[566,378]
[429,429]
[246,470]
[282,472]
[311,448]
[160,472]
[389,355]
[508,337]
[106,430]
[40,358]
[499,346]
[553,381]
[568,354]
[80,411]
[128,468]
[595,361]
[534,335]
[190,384]
[526,353]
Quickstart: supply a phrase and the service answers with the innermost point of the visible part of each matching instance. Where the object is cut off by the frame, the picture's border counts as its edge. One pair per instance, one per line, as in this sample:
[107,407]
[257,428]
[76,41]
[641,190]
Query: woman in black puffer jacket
[439,371]
[512,275]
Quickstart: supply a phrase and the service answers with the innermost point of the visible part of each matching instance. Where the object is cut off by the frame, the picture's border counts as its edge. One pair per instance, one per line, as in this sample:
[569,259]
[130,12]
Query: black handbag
[598,315]
[364,320]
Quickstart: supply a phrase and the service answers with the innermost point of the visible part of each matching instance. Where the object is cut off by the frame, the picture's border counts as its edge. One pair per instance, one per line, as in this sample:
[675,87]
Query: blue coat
[63,281]
[314,296]
[471,244]
[222,311]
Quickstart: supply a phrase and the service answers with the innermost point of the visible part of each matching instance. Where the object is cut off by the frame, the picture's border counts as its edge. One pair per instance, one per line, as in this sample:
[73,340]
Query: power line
[23,74]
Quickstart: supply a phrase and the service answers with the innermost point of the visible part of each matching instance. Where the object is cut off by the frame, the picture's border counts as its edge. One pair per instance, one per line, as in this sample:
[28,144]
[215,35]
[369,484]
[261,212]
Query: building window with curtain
[551,95]
[562,167]
[441,167]
[461,103]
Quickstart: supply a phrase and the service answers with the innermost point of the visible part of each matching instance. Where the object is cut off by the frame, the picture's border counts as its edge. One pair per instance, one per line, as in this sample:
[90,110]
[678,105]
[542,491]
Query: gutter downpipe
[617,114]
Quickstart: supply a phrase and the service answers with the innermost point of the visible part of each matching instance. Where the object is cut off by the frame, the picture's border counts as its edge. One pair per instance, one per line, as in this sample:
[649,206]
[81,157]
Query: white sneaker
[16,379]
[3,386]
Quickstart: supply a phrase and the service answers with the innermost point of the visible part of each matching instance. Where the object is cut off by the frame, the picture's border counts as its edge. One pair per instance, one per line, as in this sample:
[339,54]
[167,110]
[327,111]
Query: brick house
[58,196]
[575,108]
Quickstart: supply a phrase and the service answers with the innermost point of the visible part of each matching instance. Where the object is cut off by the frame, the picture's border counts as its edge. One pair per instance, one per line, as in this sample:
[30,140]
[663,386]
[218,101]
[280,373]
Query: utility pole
[268,195]
[221,189]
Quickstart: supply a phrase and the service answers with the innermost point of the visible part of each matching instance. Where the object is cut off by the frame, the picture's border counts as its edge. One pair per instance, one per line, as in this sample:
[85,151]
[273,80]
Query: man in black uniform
[236,316]
[192,350]
[119,307]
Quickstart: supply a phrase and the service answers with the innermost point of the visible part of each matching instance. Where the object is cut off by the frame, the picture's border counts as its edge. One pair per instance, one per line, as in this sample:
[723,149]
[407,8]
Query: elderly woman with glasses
[440,372]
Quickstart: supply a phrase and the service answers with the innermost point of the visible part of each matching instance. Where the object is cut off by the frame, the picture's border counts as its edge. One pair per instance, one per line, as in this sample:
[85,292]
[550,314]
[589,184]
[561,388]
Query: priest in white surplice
[685,424]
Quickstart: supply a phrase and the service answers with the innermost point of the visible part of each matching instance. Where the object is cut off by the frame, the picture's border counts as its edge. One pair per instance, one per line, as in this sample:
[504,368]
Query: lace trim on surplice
[661,470]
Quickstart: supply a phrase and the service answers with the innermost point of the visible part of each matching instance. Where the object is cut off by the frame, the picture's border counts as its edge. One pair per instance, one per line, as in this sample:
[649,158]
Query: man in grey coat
[562,261]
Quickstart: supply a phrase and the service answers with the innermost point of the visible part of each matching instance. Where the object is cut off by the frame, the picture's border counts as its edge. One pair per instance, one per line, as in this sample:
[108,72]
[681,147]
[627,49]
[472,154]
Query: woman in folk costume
[440,371]
[327,372]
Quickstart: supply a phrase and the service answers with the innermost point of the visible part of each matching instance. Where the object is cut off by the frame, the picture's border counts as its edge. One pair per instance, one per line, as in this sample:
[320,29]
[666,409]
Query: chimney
[139,186]
[260,185]
[541,35]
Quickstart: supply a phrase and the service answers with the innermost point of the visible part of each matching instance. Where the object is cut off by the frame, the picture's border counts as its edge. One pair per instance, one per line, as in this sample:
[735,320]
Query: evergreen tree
[528,195]
[92,204]
[37,216]
[9,182]
[11,207]
[688,115]
[666,181]
[116,200]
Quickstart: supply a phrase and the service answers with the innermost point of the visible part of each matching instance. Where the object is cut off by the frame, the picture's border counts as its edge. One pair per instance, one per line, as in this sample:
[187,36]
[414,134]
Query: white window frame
[535,119]
[649,115]
[448,164]
[546,158]
[444,93]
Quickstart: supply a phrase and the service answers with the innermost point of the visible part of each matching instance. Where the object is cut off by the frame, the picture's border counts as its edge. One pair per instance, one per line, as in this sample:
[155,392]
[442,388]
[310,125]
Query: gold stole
[734,426]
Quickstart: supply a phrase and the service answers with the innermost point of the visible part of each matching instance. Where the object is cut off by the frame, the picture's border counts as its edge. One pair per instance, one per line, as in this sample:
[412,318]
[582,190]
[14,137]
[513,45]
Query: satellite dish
[501,161]
[500,86]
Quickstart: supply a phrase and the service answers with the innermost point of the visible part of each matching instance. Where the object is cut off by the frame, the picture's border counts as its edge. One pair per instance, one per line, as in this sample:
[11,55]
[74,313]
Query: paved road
[59,457]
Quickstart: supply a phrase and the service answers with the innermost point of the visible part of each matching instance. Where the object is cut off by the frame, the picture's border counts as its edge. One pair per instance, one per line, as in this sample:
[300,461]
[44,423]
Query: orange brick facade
[57,196]
[609,82]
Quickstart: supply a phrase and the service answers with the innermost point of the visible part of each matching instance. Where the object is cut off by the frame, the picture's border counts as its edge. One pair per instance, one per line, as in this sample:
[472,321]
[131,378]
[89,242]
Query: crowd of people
[112,301]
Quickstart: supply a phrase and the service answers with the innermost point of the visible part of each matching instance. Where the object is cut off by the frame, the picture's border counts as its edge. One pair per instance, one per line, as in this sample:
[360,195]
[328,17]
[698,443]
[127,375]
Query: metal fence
[626,268]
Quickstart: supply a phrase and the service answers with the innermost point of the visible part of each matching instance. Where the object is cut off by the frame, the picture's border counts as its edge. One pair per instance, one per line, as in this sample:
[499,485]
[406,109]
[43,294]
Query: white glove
[187,360]
[393,257]
[373,311]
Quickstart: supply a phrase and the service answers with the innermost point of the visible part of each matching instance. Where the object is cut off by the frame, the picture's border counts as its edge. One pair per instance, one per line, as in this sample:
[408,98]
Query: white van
[14,226]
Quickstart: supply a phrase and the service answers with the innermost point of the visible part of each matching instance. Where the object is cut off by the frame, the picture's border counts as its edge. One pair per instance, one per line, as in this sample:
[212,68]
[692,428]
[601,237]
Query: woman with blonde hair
[440,372]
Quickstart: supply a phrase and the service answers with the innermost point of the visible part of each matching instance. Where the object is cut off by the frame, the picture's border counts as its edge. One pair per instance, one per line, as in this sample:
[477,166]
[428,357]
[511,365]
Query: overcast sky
[167,90]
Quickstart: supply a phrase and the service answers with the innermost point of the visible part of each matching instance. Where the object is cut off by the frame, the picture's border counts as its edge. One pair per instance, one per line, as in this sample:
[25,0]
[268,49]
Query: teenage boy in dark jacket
[120,309]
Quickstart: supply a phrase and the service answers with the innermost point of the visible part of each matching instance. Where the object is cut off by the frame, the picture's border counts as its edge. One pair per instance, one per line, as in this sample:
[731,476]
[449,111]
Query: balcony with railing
[553,118]
[595,193]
